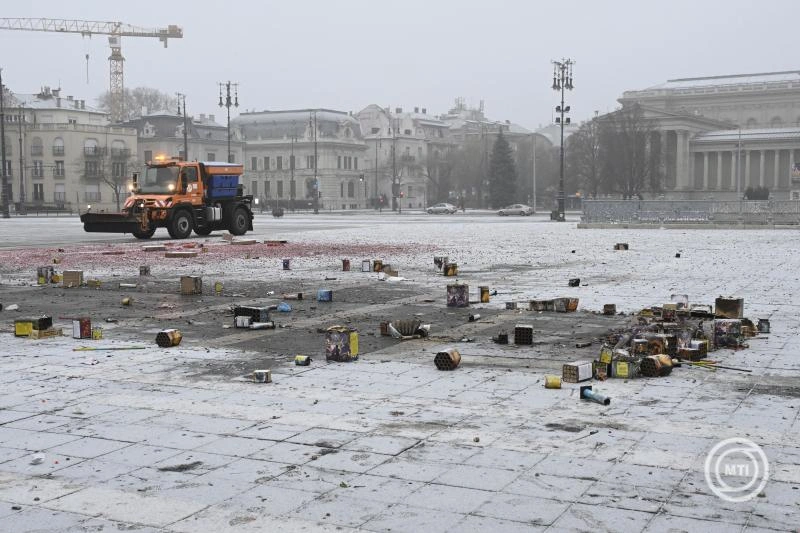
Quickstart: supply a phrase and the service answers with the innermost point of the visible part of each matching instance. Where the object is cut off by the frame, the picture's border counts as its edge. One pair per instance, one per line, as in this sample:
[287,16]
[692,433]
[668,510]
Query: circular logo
[736,469]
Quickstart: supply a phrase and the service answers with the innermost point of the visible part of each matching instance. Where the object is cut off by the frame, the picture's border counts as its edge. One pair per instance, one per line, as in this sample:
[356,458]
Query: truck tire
[238,221]
[203,231]
[144,234]
[181,224]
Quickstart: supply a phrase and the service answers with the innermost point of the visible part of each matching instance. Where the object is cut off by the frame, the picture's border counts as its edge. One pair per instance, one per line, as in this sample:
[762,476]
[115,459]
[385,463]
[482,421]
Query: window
[253,163]
[38,192]
[410,190]
[280,188]
[266,189]
[292,189]
[58,146]
[148,155]
[355,163]
[38,169]
[231,158]
[338,161]
[58,170]
[118,149]
[266,163]
[341,191]
[91,148]
[36,146]
[309,161]
[407,132]
[8,168]
[375,131]
[189,175]
[211,156]
[92,169]
[254,188]
[92,193]
[59,196]
[351,189]
[72,120]
[118,169]
[279,163]
[291,162]
[182,155]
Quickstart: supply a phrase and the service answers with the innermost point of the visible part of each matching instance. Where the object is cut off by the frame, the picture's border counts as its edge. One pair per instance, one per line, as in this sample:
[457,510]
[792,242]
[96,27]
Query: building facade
[721,135]
[161,134]
[405,150]
[63,154]
[294,155]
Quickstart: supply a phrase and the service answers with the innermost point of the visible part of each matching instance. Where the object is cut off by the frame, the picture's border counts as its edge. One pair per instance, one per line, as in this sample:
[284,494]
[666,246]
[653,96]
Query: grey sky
[347,54]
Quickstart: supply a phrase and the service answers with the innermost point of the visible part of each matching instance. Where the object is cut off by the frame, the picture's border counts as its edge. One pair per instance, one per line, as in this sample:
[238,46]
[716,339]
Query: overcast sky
[347,54]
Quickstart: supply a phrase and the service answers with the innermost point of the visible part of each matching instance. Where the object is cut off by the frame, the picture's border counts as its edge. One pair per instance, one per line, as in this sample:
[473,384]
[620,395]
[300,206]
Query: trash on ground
[169,337]
[447,359]
[341,344]
[588,394]
[262,376]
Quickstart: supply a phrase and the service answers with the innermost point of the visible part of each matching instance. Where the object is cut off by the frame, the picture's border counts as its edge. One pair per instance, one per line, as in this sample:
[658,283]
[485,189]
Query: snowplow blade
[109,223]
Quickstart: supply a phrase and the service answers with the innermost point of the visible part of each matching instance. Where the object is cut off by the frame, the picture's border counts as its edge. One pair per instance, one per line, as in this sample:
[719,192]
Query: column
[705,171]
[680,161]
[746,171]
[776,173]
[719,171]
[734,164]
[791,166]
[761,154]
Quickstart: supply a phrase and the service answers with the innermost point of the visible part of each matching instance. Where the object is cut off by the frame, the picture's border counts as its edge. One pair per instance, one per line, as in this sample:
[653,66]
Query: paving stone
[140,455]
[383,444]
[477,477]
[332,508]
[582,517]
[235,446]
[328,438]
[350,461]
[409,470]
[89,447]
[404,518]
[448,498]
[538,511]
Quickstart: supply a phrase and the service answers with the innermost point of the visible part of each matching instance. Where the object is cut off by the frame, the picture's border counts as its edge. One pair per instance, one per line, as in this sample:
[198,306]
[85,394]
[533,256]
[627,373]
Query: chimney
[83,104]
[58,102]
[211,118]
[202,116]
[69,97]
[398,109]
[424,111]
[416,110]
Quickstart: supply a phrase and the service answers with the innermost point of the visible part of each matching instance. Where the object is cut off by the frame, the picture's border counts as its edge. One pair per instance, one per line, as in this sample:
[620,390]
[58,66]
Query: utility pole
[395,181]
[182,100]
[533,195]
[375,192]
[312,122]
[562,80]
[228,103]
[4,192]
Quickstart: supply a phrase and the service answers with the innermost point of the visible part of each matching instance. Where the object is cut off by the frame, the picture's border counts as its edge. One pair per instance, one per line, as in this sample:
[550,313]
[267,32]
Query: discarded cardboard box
[256,314]
[23,327]
[177,254]
[72,278]
[44,275]
[458,295]
[81,328]
[576,371]
[94,283]
[523,334]
[341,344]
[46,333]
[451,269]
[191,285]
[728,333]
[729,307]
[154,248]
[262,376]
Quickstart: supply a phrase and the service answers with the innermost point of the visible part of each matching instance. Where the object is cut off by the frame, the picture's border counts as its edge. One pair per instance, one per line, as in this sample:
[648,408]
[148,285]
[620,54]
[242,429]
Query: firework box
[458,295]
[576,371]
[72,278]
[191,285]
[727,333]
[729,307]
[341,344]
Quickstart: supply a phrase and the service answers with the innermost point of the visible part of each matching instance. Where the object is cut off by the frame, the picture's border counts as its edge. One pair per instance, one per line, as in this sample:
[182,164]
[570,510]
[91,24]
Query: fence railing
[691,212]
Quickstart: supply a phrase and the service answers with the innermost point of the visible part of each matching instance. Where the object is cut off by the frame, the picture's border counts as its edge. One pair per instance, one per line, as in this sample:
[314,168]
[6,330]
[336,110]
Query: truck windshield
[159,180]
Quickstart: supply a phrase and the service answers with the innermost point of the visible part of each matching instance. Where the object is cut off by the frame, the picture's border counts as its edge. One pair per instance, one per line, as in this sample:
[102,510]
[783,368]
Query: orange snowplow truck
[181,196]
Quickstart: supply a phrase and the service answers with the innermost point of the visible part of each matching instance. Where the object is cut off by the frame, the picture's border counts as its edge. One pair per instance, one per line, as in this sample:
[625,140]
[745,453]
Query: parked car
[516,209]
[443,208]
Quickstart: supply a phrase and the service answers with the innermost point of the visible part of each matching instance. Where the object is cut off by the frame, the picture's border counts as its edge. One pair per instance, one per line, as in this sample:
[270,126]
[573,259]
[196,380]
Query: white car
[516,209]
[443,208]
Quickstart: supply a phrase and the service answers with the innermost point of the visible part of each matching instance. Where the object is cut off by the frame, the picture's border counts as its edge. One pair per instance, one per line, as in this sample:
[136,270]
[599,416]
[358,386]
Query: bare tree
[138,99]
[583,158]
[630,157]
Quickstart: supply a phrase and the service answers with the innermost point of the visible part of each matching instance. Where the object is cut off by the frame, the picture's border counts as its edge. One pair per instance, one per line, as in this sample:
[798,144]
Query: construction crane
[87,28]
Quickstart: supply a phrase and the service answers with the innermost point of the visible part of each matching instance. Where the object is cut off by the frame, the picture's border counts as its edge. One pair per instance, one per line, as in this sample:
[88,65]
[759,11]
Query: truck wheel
[181,225]
[203,231]
[238,222]
[144,234]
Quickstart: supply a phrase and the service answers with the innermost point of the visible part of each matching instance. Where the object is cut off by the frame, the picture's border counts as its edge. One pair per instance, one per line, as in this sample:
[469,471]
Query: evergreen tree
[502,174]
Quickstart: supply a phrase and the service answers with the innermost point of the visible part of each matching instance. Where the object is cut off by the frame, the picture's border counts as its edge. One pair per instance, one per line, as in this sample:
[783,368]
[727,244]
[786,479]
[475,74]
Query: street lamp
[312,124]
[364,181]
[182,100]
[228,103]
[562,80]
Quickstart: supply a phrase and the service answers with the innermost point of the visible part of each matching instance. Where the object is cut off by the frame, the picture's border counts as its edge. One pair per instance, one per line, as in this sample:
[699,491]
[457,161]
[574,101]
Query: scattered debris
[169,337]
[621,246]
[37,459]
[523,334]
[588,394]
[485,295]
[324,295]
[345,265]
[107,348]
[12,307]
[574,282]
[72,278]
[144,270]
[341,344]
[262,376]
[582,344]
[191,285]
[447,359]
[302,360]
[610,309]
[457,295]
[180,254]
[501,338]
[552,382]
[511,306]
[474,317]
[185,467]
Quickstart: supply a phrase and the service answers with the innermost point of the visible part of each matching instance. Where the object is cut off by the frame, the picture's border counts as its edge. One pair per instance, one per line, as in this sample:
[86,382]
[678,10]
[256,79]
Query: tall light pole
[20,123]
[312,124]
[227,103]
[562,80]
[375,191]
[533,191]
[4,192]
[292,187]
[182,100]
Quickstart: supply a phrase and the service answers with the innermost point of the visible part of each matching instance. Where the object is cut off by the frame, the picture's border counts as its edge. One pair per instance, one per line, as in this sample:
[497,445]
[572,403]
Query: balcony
[94,151]
[92,196]
[37,150]
[120,153]
[58,173]
[58,150]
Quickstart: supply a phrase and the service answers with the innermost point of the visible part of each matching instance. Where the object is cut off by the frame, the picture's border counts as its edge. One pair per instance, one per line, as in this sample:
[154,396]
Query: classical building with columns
[708,125]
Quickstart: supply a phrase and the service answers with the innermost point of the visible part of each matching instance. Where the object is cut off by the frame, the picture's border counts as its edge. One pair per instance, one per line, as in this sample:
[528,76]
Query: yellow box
[23,327]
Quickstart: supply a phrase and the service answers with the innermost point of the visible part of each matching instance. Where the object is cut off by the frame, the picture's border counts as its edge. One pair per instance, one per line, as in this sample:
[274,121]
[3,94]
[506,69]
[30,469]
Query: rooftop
[752,135]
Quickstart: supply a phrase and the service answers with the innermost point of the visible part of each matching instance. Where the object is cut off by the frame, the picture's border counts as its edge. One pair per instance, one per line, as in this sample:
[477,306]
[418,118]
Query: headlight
[171,187]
